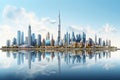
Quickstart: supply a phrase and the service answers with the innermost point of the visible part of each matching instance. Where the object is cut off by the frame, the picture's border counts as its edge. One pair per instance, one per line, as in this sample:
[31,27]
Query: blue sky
[96,16]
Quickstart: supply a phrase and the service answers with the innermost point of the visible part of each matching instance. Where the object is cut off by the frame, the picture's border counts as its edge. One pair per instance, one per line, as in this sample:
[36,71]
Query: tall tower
[95,39]
[59,28]
[29,35]
[18,37]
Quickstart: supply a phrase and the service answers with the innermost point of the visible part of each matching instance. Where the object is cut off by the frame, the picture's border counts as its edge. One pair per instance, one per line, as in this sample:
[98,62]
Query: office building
[39,40]
[18,38]
[22,38]
[29,35]
[8,43]
[14,42]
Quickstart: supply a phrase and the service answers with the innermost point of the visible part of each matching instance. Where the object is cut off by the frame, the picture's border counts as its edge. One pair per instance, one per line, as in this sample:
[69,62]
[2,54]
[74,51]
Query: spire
[59,28]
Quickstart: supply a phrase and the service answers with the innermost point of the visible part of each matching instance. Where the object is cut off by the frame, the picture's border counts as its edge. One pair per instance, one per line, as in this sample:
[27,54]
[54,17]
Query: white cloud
[108,66]
[47,19]
[107,28]
[15,18]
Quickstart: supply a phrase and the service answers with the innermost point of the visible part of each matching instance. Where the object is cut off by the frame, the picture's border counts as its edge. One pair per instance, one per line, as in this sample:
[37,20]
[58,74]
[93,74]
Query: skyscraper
[33,39]
[18,37]
[84,38]
[52,41]
[73,37]
[14,42]
[59,29]
[26,40]
[39,40]
[29,35]
[22,38]
[48,36]
[100,41]
[95,39]
[8,43]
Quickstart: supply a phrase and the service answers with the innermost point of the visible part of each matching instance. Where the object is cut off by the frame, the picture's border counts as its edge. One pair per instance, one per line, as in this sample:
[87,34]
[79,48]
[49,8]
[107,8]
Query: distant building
[22,38]
[18,38]
[100,41]
[8,43]
[26,40]
[95,39]
[90,42]
[39,40]
[59,29]
[33,39]
[14,42]
[109,43]
[47,42]
[84,39]
[43,42]
[73,37]
[52,41]
[104,43]
[48,36]
[29,36]
[78,38]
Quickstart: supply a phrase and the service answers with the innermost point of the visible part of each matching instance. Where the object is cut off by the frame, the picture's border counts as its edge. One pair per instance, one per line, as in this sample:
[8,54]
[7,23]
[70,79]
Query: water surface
[76,65]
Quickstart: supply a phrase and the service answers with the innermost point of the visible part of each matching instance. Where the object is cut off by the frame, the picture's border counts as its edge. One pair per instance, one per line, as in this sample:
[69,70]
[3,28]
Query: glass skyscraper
[29,35]
[18,37]
[39,40]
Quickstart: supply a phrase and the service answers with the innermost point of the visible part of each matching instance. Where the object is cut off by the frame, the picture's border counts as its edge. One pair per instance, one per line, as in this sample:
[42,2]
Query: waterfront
[32,65]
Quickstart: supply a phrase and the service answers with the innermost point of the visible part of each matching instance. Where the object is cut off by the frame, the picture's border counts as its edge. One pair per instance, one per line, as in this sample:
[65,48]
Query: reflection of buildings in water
[52,55]
[39,55]
[59,62]
[33,56]
[47,56]
[14,55]
[20,58]
[84,56]
[109,54]
[29,59]
[77,57]
[43,55]
[8,54]
[68,56]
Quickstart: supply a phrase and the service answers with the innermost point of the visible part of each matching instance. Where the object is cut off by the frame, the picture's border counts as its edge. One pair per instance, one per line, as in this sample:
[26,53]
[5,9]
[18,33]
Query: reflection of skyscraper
[18,59]
[14,55]
[39,56]
[29,59]
[59,29]
[84,56]
[8,54]
[59,63]
[29,35]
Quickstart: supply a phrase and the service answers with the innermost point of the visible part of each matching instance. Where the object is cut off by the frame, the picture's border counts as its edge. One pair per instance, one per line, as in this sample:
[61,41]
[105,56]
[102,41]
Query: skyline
[100,17]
